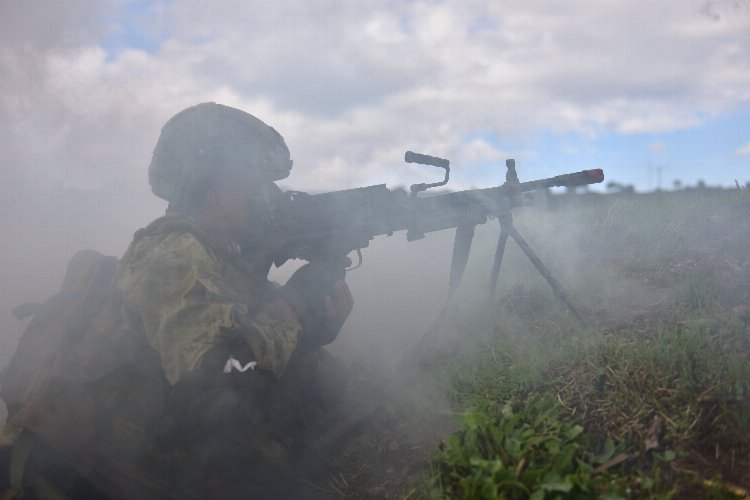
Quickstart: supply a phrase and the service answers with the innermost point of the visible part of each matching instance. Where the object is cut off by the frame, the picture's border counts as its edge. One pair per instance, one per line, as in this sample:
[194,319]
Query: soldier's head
[213,161]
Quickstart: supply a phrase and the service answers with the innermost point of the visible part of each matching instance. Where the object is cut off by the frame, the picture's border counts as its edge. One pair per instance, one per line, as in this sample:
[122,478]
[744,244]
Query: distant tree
[701,184]
[616,187]
[677,184]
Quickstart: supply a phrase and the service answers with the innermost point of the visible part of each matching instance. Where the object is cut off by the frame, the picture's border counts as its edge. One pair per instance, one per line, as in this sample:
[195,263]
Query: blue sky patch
[707,152]
[137,25]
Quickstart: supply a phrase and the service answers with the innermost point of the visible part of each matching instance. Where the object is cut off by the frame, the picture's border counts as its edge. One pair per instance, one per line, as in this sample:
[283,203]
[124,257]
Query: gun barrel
[581,178]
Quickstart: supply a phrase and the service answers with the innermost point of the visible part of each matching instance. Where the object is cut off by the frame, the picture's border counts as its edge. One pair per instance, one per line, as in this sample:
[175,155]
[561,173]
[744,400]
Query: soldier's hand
[327,300]
[338,307]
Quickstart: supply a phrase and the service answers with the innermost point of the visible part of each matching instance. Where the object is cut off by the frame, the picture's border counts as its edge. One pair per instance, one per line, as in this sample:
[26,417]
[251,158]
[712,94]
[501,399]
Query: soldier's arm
[173,285]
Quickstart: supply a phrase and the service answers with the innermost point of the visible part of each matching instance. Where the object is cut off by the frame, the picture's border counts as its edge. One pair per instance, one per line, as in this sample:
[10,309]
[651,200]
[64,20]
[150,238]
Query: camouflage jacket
[186,299]
[103,398]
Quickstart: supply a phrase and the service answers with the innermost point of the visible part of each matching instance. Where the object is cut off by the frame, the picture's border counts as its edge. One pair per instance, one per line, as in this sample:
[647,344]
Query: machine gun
[324,227]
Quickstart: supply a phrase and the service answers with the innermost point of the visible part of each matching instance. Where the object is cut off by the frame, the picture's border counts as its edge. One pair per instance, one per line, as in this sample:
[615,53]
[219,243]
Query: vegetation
[650,399]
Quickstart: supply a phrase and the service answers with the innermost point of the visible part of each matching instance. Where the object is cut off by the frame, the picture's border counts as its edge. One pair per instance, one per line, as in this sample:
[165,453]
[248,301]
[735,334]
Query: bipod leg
[499,252]
[556,287]
[461,248]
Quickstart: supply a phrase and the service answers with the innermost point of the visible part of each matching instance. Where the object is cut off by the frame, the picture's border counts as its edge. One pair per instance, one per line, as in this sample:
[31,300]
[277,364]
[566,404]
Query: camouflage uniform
[187,301]
[197,308]
[144,408]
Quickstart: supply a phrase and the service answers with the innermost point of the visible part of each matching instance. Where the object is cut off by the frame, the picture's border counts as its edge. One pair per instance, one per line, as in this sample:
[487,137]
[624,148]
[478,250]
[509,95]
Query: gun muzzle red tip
[596,175]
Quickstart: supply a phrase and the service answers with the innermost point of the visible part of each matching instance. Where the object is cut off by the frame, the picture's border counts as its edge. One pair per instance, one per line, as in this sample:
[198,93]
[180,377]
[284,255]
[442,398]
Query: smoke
[79,115]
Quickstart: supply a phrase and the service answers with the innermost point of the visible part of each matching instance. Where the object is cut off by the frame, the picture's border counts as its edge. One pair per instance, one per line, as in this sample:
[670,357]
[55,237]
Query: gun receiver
[339,222]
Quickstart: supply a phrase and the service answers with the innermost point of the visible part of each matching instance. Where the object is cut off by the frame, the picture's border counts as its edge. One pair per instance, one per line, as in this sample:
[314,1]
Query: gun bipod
[508,229]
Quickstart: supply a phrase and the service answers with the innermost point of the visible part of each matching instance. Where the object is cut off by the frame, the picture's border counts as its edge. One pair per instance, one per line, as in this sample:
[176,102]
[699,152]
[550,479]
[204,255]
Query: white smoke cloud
[351,85]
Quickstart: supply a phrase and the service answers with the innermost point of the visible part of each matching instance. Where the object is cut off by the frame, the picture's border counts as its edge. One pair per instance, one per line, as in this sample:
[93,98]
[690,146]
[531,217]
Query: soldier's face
[239,209]
[231,210]
[244,217]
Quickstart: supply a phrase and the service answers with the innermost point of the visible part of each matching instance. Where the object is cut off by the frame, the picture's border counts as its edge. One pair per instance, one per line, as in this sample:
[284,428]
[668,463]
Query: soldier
[200,377]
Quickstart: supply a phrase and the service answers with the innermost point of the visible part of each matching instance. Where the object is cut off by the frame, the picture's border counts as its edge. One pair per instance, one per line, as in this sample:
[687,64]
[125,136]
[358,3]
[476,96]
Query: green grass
[613,386]
[658,381]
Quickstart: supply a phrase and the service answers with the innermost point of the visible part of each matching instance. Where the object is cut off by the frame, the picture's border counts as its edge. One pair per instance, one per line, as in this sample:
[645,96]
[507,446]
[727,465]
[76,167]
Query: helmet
[210,141]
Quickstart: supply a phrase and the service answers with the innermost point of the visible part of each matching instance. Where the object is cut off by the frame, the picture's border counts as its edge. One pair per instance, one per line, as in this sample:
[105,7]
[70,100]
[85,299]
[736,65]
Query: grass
[689,378]
[649,400]
[520,400]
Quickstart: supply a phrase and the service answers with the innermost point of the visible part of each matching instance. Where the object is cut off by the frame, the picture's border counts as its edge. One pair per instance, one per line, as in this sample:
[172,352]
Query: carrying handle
[412,157]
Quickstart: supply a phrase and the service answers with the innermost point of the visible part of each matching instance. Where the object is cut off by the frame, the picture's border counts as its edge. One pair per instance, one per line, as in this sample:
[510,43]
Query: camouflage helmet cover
[213,141]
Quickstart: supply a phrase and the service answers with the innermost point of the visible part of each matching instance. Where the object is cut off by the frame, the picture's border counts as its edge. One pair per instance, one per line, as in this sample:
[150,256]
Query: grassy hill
[648,398]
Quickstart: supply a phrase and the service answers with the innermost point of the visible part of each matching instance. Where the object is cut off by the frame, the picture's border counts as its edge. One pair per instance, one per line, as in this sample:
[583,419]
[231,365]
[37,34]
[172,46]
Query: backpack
[52,340]
[75,349]
[78,335]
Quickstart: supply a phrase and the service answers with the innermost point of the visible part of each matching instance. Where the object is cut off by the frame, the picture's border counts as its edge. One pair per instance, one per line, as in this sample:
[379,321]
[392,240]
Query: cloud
[353,82]
[743,150]
[351,86]
[50,24]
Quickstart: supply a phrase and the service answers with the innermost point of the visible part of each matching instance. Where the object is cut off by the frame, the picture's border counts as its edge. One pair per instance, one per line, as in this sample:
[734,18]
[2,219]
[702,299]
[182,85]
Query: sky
[652,92]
